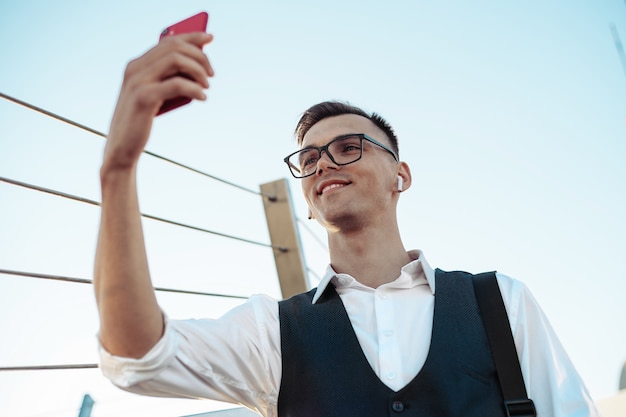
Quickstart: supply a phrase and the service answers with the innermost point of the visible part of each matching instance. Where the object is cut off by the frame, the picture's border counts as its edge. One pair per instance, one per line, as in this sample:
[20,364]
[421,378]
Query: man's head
[327,109]
[348,184]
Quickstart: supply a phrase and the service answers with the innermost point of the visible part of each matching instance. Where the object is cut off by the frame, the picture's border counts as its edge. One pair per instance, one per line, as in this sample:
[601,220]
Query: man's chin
[343,221]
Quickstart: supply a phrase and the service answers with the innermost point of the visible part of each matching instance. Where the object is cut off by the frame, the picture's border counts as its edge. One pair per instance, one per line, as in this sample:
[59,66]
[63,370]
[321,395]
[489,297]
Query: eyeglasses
[342,150]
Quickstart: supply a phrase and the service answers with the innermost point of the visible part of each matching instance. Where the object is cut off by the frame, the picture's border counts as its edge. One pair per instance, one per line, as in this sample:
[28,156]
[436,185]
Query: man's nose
[325,162]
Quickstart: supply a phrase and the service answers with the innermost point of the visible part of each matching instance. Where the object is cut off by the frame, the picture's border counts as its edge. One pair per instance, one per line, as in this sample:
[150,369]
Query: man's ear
[404,177]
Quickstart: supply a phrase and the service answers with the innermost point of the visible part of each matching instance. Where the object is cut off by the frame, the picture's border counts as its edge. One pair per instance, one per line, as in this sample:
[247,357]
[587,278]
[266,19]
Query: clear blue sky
[511,116]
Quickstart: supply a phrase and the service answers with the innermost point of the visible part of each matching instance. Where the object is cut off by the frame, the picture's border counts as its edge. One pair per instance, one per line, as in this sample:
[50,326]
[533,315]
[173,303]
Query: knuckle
[166,40]
[177,60]
[131,68]
[145,96]
[172,42]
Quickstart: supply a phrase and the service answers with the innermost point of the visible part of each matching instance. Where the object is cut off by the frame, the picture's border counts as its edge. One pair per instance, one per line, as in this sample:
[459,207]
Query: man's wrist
[112,172]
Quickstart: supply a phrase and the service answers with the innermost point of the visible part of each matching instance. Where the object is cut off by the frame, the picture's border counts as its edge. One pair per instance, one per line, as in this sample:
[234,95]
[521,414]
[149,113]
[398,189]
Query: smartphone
[195,23]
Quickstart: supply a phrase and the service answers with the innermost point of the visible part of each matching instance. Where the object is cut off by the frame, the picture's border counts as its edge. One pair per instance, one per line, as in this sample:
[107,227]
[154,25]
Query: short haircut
[327,109]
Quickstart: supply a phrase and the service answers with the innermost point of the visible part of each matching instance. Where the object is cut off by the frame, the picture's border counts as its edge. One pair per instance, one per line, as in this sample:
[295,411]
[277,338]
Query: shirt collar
[416,272]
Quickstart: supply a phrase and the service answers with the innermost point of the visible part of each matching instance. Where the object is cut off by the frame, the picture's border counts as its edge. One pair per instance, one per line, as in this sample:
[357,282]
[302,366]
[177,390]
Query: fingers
[176,67]
[173,87]
[190,46]
[174,57]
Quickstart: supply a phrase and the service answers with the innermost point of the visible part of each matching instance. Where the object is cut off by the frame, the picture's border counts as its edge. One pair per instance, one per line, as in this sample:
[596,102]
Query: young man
[367,342]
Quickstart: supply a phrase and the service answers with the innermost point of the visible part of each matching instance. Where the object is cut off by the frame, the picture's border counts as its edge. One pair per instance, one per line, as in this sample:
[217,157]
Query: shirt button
[388,332]
[382,296]
[397,406]
[391,375]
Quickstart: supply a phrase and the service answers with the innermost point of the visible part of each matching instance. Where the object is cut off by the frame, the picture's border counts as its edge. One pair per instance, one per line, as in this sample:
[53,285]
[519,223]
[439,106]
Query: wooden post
[281,223]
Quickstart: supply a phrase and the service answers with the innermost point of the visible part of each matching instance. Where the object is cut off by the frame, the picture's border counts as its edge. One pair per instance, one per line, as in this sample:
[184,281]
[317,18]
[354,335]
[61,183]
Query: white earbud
[399,184]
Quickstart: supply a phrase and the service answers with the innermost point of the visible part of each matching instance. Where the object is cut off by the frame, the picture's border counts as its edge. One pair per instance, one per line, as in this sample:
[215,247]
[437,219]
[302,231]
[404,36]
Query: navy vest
[326,374]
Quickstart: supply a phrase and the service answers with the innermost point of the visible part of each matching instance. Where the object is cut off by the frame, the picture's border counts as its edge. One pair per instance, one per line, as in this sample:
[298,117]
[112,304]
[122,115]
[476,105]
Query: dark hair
[336,108]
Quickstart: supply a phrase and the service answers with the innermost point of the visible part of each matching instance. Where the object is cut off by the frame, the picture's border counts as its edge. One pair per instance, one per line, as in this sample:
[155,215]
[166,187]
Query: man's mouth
[331,186]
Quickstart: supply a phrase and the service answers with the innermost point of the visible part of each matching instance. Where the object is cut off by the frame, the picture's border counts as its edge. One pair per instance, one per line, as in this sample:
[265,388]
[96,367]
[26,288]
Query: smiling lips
[329,186]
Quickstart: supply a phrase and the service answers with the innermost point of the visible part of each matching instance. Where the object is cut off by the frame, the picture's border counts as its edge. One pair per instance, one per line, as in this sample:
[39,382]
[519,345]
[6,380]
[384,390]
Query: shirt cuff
[126,372]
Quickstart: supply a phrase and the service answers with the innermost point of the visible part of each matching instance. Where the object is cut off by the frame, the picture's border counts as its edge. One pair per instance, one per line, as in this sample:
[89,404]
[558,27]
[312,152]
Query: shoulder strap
[493,312]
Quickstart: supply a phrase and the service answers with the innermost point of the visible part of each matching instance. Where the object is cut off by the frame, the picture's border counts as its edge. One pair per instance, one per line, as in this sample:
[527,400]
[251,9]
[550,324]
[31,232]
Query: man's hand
[149,81]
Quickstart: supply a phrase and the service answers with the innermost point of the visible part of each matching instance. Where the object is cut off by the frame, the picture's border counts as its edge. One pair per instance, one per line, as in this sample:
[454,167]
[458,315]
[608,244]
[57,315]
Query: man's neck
[370,257]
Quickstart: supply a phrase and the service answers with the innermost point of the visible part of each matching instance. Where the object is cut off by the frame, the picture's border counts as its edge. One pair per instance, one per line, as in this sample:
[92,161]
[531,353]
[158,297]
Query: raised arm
[130,318]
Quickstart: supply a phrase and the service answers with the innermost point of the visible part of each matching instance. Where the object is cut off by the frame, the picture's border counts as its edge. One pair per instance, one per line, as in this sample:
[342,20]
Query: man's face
[348,196]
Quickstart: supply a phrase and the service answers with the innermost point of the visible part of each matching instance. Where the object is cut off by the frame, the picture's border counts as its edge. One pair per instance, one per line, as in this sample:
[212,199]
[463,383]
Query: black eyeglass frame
[320,149]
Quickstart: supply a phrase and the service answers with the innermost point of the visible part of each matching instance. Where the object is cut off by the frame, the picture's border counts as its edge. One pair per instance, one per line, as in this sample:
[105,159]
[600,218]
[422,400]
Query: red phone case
[195,23]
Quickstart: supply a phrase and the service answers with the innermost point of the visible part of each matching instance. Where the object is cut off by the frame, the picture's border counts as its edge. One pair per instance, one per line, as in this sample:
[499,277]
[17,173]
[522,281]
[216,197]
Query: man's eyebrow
[336,137]
[346,135]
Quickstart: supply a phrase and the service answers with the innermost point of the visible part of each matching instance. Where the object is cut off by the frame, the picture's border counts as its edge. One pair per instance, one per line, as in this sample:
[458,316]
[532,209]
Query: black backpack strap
[493,312]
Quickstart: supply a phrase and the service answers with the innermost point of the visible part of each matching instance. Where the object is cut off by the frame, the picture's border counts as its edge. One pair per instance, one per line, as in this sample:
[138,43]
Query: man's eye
[351,148]
[309,161]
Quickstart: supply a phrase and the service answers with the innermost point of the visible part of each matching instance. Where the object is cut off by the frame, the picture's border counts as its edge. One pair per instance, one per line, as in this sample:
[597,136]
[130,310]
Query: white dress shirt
[236,358]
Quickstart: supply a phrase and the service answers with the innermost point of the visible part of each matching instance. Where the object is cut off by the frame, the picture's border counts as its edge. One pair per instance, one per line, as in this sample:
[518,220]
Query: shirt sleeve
[235,359]
[551,380]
